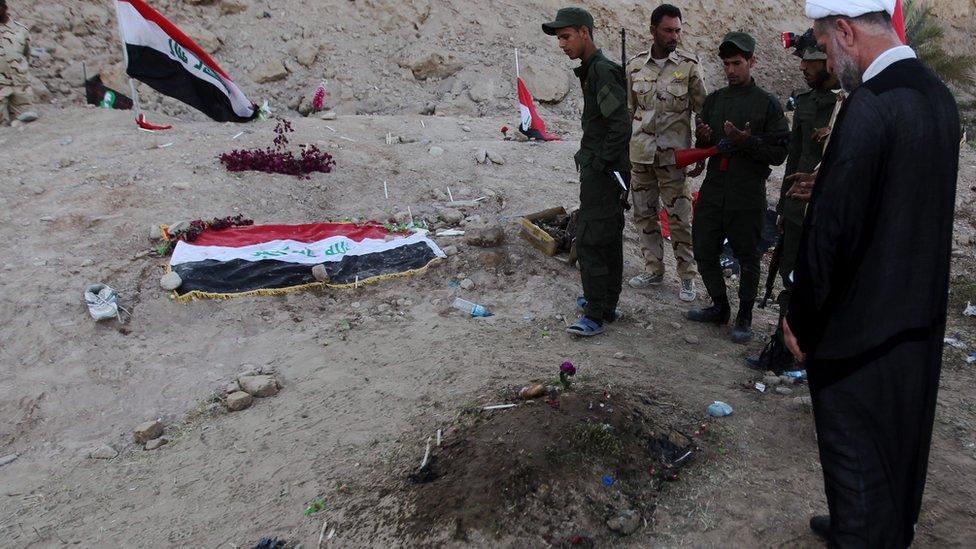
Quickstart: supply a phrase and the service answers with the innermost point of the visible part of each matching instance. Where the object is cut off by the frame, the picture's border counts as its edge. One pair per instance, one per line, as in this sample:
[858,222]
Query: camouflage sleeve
[631,96]
[611,98]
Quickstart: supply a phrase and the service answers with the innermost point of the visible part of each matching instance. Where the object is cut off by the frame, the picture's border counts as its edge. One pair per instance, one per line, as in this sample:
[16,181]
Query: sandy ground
[81,189]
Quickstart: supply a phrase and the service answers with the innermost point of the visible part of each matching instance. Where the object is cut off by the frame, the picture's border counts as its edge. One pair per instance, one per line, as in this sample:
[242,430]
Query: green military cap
[813,53]
[568,17]
[740,40]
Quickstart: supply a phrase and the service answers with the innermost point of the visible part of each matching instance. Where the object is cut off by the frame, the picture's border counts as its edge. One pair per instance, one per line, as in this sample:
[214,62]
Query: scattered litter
[325,523]
[450,195]
[464,203]
[103,303]
[315,507]
[423,462]
[532,391]
[473,309]
[761,387]
[796,374]
[438,437]
[608,481]
[719,409]
[331,129]
[386,191]
[238,134]
[165,145]
[954,342]
[970,309]
[499,407]
[450,232]
[971,358]
[347,139]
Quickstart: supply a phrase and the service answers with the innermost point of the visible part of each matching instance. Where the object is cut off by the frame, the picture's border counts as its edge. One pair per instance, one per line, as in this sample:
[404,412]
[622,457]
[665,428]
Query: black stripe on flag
[170,77]
[240,275]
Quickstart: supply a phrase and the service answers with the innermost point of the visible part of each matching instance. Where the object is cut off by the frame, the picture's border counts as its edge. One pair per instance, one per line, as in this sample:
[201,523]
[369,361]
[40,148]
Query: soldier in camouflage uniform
[15,91]
[665,87]
[603,155]
[813,111]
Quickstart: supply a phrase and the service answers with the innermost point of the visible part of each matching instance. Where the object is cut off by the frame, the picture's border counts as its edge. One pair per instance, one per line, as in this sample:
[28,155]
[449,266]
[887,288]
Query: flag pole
[125,62]
[517,73]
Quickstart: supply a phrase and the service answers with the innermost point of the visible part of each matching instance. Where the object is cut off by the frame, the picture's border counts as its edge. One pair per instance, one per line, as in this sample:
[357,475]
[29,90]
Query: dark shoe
[820,525]
[719,313]
[742,329]
[756,362]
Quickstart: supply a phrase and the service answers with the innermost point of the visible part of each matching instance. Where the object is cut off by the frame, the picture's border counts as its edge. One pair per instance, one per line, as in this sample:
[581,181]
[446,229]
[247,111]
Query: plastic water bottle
[472,309]
[719,409]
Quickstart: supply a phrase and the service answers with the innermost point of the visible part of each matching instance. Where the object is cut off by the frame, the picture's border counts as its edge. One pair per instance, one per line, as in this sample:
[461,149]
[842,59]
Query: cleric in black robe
[871,283]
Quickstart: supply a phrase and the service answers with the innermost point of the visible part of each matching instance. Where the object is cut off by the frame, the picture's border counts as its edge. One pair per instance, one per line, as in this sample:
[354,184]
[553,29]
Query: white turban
[818,9]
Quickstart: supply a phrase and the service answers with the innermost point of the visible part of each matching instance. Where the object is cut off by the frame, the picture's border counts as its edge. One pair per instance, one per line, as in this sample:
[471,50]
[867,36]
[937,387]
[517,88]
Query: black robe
[870,296]
[874,258]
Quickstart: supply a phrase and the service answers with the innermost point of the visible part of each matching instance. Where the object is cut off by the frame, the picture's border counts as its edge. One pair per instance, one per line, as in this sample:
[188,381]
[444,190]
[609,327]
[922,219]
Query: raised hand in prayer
[739,137]
[802,187]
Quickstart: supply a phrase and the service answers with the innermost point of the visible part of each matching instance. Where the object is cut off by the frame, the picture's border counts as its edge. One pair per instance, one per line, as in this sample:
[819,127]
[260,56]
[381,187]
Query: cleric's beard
[848,72]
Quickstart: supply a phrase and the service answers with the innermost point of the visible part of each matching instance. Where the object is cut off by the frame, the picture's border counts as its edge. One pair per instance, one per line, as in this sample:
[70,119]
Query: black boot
[742,329]
[820,525]
[774,357]
[719,313]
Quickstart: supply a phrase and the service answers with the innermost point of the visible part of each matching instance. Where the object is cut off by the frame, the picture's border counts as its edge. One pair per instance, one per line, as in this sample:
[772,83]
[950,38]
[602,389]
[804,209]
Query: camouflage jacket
[14,54]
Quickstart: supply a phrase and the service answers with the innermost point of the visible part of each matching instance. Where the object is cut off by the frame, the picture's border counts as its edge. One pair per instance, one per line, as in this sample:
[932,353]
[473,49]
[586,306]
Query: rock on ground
[260,386]
[156,443]
[103,452]
[270,71]
[625,523]
[238,401]
[485,237]
[147,431]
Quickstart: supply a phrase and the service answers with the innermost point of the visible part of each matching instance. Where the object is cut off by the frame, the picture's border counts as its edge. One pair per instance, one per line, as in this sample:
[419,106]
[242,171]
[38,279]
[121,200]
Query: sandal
[585,327]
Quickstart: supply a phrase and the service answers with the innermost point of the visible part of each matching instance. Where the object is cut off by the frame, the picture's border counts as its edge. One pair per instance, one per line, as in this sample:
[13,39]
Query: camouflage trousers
[14,101]
[667,185]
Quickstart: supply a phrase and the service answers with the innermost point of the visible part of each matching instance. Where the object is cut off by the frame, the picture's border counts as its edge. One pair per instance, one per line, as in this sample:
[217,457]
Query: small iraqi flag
[531,124]
[163,57]
[898,21]
[277,259]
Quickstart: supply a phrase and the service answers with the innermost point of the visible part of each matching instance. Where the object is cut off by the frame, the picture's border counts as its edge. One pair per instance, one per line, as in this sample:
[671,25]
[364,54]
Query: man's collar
[886,59]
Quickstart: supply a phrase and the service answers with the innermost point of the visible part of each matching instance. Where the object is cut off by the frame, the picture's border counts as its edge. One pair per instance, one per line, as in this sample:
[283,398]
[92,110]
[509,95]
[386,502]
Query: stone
[784,390]
[383,308]
[496,158]
[803,401]
[156,443]
[8,459]
[436,151]
[149,430]
[450,216]
[787,380]
[467,284]
[481,156]
[772,381]
[260,386]
[676,325]
[103,452]
[619,356]
[203,37]
[450,250]
[482,90]
[170,281]
[74,74]
[42,94]
[230,7]
[548,83]
[155,233]
[691,339]
[232,387]
[625,523]
[431,65]
[271,71]
[320,273]
[329,115]
[485,237]
[181,185]
[239,401]
[492,260]
[307,55]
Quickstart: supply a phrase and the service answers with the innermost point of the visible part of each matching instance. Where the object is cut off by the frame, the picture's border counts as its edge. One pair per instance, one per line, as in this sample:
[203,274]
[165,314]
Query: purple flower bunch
[318,99]
[566,371]
[278,160]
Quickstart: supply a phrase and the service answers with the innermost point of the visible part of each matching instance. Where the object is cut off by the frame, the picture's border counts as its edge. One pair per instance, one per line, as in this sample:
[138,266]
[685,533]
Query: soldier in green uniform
[602,161]
[732,200]
[15,91]
[666,86]
[813,110]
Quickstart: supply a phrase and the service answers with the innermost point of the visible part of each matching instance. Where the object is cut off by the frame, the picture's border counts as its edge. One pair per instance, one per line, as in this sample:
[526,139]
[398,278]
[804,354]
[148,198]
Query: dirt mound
[584,465]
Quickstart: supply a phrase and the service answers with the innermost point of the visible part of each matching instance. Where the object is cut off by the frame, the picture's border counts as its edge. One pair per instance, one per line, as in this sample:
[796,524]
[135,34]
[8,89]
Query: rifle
[686,157]
[773,271]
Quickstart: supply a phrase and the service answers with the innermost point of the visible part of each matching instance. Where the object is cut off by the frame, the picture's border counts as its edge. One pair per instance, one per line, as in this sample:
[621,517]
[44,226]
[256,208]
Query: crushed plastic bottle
[719,409]
[472,309]
[796,374]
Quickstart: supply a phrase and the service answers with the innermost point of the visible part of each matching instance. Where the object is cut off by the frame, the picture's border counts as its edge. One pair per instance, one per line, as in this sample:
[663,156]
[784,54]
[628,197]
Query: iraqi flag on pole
[160,55]
[278,259]
[531,124]
[898,21]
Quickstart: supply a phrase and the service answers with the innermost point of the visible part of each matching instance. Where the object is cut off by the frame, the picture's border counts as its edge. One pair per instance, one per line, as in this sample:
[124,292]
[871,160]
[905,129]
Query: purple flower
[568,369]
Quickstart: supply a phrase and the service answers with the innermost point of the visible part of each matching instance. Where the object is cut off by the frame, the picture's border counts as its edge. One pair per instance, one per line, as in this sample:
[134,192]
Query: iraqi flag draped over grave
[277,259]
[531,124]
[160,55]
